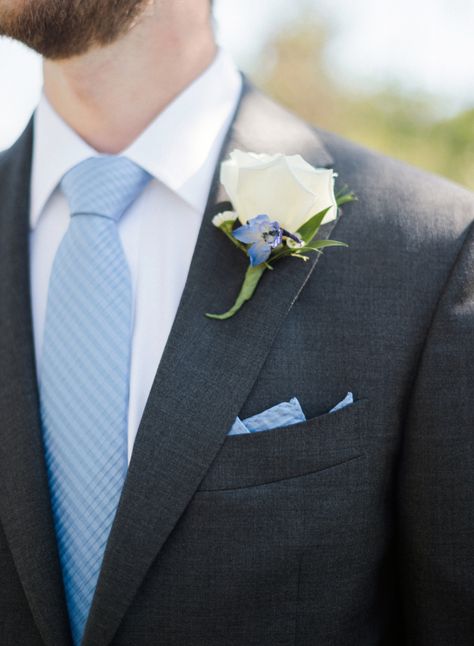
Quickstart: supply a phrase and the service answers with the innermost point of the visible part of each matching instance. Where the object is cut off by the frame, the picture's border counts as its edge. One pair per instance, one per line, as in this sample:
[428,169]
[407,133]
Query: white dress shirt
[180,149]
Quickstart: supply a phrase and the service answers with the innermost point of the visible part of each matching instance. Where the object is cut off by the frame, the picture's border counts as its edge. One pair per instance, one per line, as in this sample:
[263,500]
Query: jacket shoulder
[418,201]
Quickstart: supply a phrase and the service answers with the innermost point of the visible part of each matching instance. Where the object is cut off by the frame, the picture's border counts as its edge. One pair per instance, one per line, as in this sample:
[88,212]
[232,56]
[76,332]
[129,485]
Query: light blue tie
[85,366]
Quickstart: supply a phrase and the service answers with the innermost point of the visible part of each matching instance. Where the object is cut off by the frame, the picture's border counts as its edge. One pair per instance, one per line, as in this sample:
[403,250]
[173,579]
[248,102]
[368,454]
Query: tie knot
[104,186]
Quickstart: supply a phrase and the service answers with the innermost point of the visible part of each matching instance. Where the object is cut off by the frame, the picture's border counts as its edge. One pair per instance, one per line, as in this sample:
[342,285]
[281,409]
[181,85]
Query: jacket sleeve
[436,484]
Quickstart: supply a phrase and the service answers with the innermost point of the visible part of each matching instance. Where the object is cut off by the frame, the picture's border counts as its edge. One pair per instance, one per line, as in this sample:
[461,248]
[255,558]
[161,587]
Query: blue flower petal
[246,234]
[252,231]
[259,252]
[259,219]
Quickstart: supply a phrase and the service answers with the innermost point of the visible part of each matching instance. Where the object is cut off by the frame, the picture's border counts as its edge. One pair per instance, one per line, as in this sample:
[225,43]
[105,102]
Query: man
[128,514]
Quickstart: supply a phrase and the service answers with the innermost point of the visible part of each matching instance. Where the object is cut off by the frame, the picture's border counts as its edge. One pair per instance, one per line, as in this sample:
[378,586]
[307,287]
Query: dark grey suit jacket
[355,528]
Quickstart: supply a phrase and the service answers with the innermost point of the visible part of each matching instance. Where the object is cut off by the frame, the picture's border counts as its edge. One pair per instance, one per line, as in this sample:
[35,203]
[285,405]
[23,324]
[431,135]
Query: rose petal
[320,182]
[288,188]
[272,189]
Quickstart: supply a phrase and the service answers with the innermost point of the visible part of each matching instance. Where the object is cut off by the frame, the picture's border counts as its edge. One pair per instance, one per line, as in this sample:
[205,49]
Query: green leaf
[345,199]
[317,245]
[342,191]
[280,252]
[310,228]
[344,195]
[251,280]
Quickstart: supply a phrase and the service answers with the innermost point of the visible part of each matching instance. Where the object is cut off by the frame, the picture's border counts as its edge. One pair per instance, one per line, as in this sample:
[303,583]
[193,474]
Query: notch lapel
[206,373]
[24,496]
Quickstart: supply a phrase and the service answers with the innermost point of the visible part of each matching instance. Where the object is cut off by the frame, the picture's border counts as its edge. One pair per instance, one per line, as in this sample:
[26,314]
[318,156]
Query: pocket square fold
[347,401]
[284,414]
[280,415]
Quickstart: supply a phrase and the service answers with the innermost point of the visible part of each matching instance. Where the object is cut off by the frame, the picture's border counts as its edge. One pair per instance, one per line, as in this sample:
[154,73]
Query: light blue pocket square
[284,414]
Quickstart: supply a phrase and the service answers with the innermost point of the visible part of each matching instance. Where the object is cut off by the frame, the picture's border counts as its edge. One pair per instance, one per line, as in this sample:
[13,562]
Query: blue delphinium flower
[263,234]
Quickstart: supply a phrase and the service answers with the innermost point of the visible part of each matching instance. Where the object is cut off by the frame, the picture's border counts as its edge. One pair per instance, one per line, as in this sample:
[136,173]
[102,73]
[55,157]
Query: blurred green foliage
[400,125]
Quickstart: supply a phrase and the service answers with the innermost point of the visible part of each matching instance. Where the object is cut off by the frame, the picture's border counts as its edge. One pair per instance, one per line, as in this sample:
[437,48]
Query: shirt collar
[179,148]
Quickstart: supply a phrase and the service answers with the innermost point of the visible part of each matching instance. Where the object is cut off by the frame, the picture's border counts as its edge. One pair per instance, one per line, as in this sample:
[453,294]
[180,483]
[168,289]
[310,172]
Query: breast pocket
[290,452]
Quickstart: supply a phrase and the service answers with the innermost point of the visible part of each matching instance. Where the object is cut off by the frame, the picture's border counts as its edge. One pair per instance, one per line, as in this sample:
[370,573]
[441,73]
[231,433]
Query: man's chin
[62,29]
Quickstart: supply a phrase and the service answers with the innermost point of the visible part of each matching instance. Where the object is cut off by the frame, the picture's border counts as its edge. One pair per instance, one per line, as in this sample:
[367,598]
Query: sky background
[420,46]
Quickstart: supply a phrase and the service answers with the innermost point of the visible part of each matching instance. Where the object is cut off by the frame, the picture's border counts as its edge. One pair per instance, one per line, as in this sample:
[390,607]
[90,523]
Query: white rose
[286,188]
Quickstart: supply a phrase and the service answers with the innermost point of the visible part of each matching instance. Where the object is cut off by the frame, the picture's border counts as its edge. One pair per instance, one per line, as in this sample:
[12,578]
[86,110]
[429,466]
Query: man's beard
[60,29]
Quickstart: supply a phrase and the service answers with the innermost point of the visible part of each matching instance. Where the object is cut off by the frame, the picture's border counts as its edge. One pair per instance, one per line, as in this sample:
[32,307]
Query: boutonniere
[279,204]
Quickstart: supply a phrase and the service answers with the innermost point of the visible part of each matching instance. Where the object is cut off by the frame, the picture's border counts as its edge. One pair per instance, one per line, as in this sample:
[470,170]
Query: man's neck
[110,95]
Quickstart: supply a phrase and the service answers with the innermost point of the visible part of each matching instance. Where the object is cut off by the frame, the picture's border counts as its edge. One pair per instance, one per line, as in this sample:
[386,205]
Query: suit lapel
[206,373]
[24,498]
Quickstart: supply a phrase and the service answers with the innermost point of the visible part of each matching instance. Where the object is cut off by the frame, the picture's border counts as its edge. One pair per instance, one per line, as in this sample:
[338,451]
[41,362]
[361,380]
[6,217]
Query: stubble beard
[61,29]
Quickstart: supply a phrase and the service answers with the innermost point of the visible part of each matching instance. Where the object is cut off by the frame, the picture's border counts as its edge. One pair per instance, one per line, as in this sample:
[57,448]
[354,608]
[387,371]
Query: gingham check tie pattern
[84,378]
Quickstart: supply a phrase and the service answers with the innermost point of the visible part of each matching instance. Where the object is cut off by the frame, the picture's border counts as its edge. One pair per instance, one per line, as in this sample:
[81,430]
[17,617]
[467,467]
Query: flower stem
[235,242]
[251,280]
